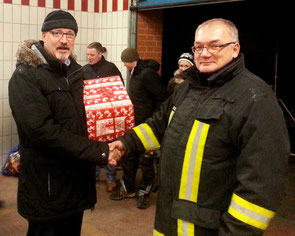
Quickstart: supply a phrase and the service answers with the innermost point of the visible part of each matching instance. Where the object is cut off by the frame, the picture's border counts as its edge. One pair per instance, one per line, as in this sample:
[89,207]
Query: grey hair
[232,29]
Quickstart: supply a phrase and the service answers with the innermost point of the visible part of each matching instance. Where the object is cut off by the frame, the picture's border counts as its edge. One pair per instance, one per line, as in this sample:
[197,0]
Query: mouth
[206,63]
[63,49]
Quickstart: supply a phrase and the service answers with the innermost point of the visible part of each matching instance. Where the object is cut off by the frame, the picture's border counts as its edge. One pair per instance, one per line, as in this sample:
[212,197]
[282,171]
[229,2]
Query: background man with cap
[146,92]
[57,170]
[185,61]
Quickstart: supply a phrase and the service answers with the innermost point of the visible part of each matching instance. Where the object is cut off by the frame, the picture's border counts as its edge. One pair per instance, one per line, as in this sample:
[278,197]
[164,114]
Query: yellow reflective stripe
[191,169]
[173,110]
[189,145]
[147,137]
[141,137]
[170,116]
[185,228]
[250,213]
[156,233]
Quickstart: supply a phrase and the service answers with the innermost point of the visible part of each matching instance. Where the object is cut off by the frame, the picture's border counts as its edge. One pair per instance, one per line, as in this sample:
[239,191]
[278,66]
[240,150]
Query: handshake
[116,152]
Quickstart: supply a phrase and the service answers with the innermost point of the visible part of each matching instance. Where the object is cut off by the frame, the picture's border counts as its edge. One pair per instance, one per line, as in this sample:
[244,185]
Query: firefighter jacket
[57,169]
[224,152]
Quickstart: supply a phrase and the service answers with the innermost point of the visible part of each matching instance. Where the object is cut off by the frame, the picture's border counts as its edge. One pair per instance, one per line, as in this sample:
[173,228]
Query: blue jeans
[111,172]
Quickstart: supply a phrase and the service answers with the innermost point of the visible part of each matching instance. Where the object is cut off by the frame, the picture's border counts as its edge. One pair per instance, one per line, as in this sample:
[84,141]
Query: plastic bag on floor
[11,165]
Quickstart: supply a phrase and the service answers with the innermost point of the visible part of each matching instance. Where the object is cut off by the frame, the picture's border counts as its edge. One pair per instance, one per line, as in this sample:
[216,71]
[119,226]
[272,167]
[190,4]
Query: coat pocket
[191,212]
[208,112]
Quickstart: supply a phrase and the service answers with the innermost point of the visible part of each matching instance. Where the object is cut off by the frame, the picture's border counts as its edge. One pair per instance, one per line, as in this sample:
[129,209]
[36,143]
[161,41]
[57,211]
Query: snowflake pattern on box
[109,111]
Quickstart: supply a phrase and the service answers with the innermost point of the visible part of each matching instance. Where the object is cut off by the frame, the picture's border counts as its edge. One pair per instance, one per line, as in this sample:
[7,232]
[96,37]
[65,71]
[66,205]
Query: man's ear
[43,35]
[236,50]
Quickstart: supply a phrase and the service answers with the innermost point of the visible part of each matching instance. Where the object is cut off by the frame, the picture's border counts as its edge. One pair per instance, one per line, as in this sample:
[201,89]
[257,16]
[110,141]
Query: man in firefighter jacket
[224,144]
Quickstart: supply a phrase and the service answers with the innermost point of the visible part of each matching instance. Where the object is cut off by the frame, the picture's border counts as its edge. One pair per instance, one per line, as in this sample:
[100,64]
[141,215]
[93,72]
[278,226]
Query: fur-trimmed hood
[30,55]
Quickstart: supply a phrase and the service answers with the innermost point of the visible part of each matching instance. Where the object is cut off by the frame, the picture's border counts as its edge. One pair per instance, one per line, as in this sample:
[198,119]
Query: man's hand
[117,150]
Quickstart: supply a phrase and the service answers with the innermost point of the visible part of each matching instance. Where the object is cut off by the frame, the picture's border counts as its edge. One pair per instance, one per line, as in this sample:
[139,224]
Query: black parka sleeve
[41,128]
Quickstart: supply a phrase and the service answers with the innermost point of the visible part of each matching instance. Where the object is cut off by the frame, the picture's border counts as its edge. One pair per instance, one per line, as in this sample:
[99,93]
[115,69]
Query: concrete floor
[122,218]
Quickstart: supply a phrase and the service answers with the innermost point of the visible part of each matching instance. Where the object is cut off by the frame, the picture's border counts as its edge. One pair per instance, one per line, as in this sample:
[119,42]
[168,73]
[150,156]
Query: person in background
[185,61]
[147,93]
[99,67]
[224,144]
[57,160]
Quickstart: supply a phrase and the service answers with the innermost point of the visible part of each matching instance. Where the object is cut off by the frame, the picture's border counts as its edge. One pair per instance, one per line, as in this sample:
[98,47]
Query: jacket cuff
[103,153]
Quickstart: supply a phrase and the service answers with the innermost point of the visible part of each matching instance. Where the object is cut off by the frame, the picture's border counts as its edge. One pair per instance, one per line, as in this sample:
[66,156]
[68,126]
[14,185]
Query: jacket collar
[145,64]
[32,53]
[98,64]
[218,78]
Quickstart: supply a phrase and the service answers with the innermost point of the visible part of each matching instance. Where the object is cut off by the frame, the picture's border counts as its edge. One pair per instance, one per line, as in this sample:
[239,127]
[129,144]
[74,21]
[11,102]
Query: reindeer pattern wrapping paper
[109,111]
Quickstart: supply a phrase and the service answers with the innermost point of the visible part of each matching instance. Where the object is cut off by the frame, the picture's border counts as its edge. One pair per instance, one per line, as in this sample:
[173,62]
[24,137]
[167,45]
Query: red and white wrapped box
[109,111]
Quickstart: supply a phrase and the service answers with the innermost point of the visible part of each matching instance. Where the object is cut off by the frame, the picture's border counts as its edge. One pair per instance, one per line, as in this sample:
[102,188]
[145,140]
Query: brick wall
[149,34]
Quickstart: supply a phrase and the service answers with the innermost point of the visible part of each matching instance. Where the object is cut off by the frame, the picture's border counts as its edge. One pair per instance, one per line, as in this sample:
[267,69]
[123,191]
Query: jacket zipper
[71,92]
[48,185]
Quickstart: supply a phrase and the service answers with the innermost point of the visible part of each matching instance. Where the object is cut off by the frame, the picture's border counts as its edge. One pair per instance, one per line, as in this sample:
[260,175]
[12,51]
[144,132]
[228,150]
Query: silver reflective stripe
[249,213]
[146,137]
[185,228]
[192,162]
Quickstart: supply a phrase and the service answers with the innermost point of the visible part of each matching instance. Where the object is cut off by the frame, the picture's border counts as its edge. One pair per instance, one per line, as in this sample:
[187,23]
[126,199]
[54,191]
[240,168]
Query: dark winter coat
[101,69]
[146,89]
[224,154]
[57,172]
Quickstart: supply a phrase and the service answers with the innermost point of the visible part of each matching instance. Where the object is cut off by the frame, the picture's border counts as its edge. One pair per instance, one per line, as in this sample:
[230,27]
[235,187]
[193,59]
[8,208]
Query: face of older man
[214,47]
[59,43]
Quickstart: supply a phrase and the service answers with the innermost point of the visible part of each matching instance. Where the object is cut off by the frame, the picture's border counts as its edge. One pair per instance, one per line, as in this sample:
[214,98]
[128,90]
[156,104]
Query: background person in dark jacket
[185,61]
[99,67]
[147,93]
[224,144]
[57,170]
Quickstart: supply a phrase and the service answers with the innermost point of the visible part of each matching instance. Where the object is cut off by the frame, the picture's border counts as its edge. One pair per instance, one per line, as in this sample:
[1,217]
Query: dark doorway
[265,40]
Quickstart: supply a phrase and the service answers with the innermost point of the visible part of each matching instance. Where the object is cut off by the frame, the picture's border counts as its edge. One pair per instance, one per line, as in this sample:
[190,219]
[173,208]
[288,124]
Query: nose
[205,53]
[64,38]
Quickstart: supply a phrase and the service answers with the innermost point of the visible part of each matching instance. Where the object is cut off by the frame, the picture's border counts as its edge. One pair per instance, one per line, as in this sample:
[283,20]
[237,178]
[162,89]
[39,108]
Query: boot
[143,197]
[110,185]
[142,201]
[122,193]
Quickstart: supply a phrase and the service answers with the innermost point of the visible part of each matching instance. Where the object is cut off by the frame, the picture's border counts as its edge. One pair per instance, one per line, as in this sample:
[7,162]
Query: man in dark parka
[57,170]
[147,93]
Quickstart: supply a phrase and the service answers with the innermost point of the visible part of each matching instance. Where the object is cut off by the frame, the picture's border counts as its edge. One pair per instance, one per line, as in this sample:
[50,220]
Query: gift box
[109,111]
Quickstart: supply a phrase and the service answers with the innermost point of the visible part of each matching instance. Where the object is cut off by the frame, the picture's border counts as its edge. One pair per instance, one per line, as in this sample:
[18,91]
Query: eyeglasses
[211,48]
[59,34]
